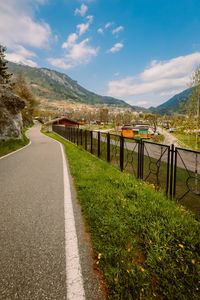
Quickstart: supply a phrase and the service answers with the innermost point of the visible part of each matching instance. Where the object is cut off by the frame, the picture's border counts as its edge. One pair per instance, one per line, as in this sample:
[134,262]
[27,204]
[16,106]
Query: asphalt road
[32,229]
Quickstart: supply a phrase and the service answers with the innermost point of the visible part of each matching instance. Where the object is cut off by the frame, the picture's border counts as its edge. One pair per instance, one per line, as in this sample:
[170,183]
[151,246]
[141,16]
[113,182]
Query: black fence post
[77,136]
[168,163]
[175,167]
[99,144]
[121,153]
[86,140]
[81,132]
[139,158]
[172,169]
[91,143]
[142,160]
[108,147]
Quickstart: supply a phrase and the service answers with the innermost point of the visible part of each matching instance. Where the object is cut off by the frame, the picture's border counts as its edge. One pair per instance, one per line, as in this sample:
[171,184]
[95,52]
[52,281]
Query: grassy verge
[146,246]
[188,140]
[13,144]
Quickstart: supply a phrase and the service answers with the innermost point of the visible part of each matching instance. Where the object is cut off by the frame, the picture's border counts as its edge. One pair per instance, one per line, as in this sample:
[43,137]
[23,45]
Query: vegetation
[187,139]
[4,75]
[146,246]
[22,89]
[13,144]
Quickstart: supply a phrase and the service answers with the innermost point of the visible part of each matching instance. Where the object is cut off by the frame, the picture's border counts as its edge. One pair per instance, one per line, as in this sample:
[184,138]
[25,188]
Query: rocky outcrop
[10,114]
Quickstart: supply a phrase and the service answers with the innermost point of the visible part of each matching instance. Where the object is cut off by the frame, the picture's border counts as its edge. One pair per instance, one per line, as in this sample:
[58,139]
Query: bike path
[32,227]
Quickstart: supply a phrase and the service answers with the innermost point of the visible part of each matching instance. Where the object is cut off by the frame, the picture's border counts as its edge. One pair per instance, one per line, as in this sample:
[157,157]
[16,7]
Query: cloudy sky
[141,51]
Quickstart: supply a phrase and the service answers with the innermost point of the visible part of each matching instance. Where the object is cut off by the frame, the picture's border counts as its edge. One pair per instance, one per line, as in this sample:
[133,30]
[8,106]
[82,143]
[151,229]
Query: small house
[63,121]
[132,131]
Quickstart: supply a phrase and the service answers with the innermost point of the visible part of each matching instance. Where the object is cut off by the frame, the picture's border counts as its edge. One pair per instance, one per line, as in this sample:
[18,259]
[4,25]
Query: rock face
[10,114]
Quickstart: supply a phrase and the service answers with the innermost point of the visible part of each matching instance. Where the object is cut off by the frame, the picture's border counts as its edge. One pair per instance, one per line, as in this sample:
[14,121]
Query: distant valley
[51,86]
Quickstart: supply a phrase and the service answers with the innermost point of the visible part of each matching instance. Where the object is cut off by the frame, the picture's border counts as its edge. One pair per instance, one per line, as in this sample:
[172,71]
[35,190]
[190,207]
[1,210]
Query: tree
[153,121]
[22,89]
[103,115]
[192,106]
[4,75]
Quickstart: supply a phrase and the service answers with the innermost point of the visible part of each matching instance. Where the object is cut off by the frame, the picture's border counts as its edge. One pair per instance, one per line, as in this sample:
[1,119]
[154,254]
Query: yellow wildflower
[159,258]
[193,261]
[154,294]
[99,255]
[116,279]
[127,271]
[142,269]
[129,249]
[181,246]
[97,262]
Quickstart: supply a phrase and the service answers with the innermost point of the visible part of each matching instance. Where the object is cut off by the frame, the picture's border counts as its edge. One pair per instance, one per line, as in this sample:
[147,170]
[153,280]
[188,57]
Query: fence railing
[174,170]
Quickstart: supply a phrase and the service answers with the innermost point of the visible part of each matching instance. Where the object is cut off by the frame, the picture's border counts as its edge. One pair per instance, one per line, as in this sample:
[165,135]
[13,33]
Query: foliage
[4,75]
[13,144]
[103,115]
[159,138]
[153,120]
[22,89]
[147,246]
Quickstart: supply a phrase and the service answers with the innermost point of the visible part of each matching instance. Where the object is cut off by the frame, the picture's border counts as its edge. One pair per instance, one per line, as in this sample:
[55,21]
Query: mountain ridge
[52,85]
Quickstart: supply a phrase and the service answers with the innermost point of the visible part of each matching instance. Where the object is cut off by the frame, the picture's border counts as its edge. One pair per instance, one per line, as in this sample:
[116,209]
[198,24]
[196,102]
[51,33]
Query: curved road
[32,226]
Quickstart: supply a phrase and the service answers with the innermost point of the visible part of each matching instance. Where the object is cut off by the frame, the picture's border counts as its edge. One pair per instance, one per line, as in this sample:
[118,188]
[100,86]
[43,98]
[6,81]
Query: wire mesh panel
[59,130]
[155,164]
[103,146]
[187,178]
[131,163]
[95,143]
[83,138]
[79,137]
[115,150]
[88,140]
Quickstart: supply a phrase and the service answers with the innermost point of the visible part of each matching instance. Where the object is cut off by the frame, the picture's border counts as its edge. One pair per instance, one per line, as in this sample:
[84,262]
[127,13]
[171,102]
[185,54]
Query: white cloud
[118,29]
[100,30]
[90,18]
[17,26]
[81,53]
[59,63]
[77,53]
[108,24]
[70,40]
[162,79]
[82,28]
[115,48]
[116,74]
[81,11]
[22,56]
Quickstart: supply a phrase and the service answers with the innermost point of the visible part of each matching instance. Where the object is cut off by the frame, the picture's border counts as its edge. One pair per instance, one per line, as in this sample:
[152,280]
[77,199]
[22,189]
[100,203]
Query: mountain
[53,86]
[173,104]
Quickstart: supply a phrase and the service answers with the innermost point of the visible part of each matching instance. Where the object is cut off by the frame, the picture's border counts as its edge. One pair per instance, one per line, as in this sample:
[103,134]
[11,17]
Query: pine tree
[4,75]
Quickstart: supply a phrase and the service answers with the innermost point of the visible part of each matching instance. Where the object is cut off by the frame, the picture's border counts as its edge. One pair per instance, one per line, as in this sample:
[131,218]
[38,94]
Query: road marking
[15,151]
[75,289]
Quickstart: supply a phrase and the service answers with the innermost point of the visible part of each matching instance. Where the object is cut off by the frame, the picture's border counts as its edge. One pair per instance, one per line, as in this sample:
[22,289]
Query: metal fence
[174,170]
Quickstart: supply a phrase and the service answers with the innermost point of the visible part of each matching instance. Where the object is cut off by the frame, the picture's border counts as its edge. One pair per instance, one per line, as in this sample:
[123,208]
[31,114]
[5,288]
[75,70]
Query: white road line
[15,151]
[75,289]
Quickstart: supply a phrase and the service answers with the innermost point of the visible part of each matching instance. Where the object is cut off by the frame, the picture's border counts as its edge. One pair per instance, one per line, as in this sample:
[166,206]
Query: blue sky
[141,51]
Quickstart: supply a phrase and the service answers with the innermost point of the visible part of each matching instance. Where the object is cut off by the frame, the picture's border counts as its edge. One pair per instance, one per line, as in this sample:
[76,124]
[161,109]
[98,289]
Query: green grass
[188,140]
[13,144]
[146,245]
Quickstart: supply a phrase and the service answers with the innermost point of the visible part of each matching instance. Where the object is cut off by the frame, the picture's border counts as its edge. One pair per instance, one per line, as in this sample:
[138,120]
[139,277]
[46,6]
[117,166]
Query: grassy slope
[13,144]
[146,246]
[188,140]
